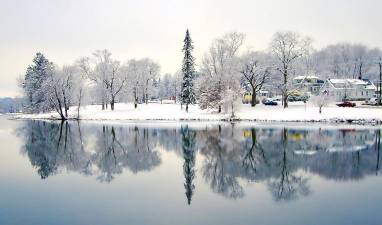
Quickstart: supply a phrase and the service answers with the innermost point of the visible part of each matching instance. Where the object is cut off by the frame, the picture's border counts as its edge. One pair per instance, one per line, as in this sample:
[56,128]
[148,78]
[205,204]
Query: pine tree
[35,76]
[188,70]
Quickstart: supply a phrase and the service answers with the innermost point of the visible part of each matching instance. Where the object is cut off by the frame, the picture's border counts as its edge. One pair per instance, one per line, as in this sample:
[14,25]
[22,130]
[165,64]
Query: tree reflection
[188,147]
[219,168]
[54,146]
[51,145]
[281,158]
[109,154]
[288,185]
[255,155]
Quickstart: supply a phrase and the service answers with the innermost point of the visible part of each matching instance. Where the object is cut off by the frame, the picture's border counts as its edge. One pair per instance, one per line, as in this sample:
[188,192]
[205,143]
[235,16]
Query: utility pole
[380,81]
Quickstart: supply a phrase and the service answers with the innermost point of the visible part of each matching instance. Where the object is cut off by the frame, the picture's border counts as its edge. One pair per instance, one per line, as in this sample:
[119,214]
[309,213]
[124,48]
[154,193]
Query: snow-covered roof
[351,83]
[337,81]
[305,77]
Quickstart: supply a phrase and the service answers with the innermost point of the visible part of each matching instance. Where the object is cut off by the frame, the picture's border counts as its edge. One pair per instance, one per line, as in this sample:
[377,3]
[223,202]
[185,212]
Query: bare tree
[287,47]
[58,89]
[151,71]
[106,74]
[323,99]
[255,74]
[116,82]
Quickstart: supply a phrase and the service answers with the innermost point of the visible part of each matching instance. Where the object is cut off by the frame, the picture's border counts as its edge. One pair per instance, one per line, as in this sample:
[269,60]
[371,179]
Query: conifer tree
[188,70]
[35,76]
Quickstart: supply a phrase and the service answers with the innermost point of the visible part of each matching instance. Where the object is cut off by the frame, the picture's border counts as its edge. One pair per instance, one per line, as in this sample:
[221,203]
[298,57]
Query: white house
[349,89]
[308,84]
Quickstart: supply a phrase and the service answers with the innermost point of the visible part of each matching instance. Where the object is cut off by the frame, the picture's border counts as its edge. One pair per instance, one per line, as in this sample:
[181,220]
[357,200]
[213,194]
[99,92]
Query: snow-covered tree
[345,60]
[220,72]
[286,48]
[142,77]
[321,100]
[134,79]
[176,85]
[150,72]
[164,87]
[188,70]
[107,76]
[58,88]
[256,71]
[35,76]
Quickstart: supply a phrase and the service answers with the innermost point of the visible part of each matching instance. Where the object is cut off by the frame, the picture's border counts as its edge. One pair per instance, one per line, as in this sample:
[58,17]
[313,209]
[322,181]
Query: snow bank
[296,112]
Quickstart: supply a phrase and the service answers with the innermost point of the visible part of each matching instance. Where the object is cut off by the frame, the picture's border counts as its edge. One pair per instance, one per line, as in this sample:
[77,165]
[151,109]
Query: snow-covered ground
[154,111]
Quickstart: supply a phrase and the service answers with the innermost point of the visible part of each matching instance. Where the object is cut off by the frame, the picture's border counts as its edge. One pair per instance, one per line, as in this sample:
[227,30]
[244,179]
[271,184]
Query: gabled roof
[351,83]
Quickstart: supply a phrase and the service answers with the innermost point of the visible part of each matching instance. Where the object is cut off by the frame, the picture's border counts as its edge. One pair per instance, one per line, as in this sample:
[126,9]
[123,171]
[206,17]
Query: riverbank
[296,112]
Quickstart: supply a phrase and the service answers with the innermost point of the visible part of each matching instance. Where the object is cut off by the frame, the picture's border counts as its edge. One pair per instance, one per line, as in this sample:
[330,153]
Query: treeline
[10,105]
[225,72]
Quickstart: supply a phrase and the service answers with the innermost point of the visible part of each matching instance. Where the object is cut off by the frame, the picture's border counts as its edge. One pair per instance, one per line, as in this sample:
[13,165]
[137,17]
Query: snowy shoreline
[297,112]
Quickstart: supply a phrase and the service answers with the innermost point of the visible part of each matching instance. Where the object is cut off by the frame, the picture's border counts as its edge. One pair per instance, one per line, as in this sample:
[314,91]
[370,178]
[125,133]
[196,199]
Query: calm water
[197,173]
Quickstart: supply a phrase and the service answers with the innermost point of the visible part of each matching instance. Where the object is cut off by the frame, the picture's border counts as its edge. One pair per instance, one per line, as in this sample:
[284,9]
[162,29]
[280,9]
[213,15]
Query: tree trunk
[220,109]
[103,105]
[79,105]
[232,111]
[78,110]
[146,92]
[285,91]
[135,98]
[285,100]
[186,107]
[320,109]
[112,103]
[66,112]
[253,100]
[360,72]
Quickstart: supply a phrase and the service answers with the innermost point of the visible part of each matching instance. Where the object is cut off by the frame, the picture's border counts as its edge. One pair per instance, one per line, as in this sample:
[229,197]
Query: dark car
[346,104]
[269,102]
[298,98]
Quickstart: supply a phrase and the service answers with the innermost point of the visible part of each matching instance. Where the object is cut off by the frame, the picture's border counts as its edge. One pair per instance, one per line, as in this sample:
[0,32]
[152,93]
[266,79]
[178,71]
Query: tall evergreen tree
[35,76]
[188,147]
[188,70]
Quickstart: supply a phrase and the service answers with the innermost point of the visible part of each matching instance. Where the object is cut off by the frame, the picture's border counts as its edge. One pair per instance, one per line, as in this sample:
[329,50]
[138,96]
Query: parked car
[269,101]
[346,104]
[293,98]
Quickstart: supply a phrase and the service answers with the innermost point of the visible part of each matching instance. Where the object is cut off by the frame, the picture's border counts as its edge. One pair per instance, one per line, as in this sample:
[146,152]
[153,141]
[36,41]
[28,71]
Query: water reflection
[282,158]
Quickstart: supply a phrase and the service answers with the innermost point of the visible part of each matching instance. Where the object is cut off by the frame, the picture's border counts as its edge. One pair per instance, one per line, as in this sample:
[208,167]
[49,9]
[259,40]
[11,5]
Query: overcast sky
[65,30]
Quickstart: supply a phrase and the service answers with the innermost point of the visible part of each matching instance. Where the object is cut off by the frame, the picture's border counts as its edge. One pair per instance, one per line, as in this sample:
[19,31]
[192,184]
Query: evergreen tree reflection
[188,147]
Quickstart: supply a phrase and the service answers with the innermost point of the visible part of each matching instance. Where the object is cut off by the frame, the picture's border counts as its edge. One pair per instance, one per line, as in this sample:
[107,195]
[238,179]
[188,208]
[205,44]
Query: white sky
[65,30]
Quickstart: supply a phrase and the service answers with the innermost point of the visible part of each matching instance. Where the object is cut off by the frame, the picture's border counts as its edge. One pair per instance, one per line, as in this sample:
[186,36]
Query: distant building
[308,85]
[349,89]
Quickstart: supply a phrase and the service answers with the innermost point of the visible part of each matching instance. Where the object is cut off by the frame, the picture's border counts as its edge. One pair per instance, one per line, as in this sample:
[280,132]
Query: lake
[189,173]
